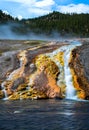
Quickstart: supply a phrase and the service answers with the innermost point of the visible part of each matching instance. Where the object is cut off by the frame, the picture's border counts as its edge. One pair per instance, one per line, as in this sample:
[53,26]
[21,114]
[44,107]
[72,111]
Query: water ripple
[44,115]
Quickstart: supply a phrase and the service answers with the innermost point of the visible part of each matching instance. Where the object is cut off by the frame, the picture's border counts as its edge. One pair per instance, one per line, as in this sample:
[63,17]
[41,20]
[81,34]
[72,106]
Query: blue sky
[35,8]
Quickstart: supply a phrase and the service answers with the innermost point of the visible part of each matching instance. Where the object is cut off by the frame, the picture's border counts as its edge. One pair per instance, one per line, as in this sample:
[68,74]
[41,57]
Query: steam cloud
[6,32]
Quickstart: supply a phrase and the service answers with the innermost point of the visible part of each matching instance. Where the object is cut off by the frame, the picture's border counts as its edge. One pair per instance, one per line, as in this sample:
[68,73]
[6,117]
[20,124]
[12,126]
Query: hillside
[4,18]
[55,22]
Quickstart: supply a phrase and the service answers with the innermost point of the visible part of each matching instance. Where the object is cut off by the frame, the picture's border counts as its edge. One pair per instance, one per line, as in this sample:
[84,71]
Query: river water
[51,114]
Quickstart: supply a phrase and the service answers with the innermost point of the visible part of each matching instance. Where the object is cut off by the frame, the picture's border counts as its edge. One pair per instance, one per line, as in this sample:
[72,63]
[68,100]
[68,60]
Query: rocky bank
[50,70]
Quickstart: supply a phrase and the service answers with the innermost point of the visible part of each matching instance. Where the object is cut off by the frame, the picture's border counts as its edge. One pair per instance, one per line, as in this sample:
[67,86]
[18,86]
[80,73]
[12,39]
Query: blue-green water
[44,115]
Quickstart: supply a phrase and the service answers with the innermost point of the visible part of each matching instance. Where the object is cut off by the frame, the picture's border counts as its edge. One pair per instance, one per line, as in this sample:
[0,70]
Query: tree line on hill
[64,24]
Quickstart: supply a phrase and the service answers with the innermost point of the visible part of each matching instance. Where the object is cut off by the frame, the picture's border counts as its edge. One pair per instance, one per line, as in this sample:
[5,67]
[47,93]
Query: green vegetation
[63,24]
[5,18]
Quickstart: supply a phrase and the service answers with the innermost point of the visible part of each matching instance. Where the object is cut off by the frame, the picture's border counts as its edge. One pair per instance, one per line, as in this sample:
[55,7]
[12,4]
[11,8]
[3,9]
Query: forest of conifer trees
[64,24]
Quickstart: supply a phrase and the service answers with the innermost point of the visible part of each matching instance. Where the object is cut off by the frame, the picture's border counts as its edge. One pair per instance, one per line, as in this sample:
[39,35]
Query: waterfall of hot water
[61,57]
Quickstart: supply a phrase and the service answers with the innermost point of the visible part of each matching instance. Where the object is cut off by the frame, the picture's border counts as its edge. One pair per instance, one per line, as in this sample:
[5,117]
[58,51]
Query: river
[51,114]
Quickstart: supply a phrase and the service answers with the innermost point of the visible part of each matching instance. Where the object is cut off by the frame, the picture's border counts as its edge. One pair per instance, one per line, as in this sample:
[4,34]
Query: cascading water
[6,54]
[70,91]
[61,57]
[65,75]
[22,62]
[19,71]
[4,91]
